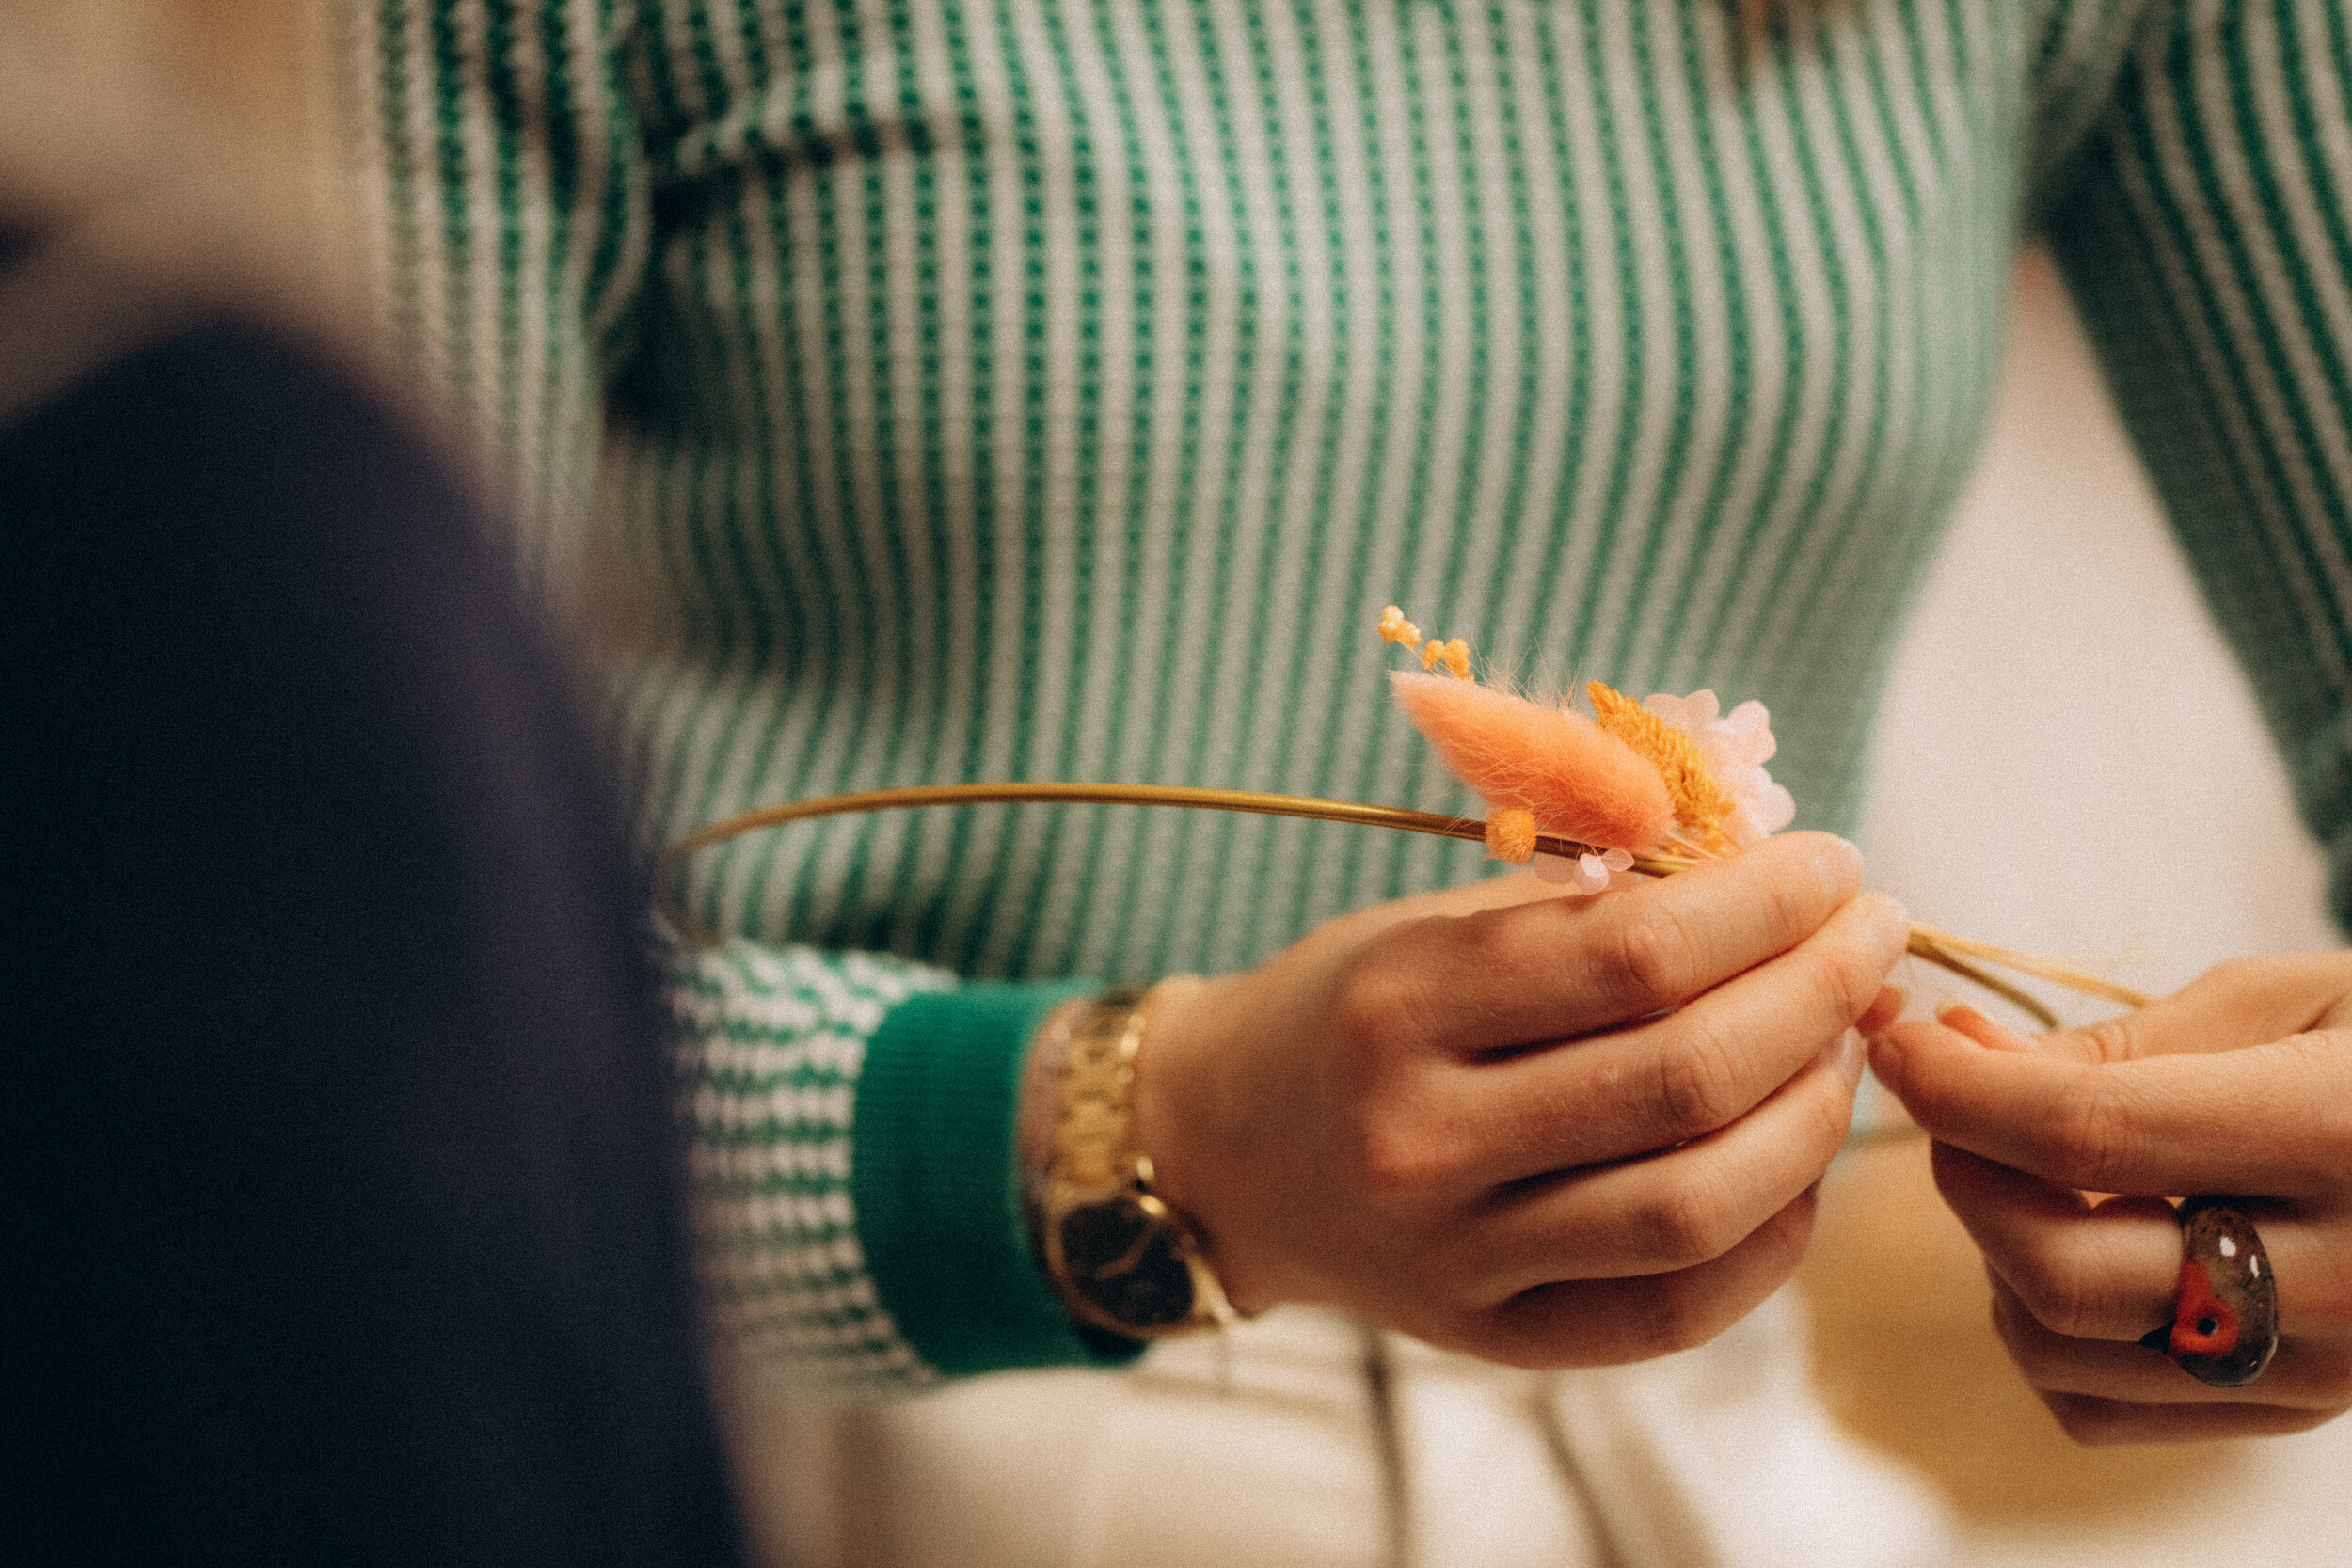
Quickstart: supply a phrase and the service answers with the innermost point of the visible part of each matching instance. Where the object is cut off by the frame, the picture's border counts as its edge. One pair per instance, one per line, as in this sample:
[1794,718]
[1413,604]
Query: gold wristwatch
[1122,1259]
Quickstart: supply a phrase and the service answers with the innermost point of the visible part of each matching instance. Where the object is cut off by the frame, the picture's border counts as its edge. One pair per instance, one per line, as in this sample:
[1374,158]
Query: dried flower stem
[2025,963]
[1923,945]
[1936,947]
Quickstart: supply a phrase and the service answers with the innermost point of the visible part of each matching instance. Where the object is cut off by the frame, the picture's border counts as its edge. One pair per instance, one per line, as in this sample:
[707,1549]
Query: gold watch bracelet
[1093,1169]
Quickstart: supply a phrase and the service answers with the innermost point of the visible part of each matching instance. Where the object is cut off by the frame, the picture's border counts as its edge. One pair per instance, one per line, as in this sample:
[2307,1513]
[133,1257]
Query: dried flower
[1455,655]
[1701,803]
[1586,873]
[1511,835]
[1576,780]
[1547,770]
[1735,747]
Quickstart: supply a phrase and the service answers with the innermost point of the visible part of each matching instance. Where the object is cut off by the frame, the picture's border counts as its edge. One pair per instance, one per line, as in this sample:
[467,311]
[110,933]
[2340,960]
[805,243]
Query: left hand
[2240,1085]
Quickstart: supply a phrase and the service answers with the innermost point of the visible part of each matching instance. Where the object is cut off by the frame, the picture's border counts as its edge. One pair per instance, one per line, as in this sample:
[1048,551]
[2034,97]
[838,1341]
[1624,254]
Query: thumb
[2158,1103]
[2243,1003]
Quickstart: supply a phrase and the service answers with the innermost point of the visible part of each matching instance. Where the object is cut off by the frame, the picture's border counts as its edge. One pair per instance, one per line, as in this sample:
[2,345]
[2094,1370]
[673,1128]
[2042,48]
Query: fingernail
[1890,926]
[1964,1020]
[1885,1010]
[1851,1056]
[1838,865]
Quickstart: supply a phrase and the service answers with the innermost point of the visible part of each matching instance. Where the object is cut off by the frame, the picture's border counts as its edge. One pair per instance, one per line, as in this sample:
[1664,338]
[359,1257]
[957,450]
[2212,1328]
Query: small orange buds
[1394,628]
[1455,655]
[1511,835]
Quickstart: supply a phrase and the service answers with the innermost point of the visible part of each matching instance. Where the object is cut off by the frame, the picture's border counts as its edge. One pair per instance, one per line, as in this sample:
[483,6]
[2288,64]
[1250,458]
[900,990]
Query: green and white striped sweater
[1056,389]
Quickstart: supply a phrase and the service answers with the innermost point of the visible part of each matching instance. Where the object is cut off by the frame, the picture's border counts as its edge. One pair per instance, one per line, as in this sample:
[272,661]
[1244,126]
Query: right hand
[1540,1129]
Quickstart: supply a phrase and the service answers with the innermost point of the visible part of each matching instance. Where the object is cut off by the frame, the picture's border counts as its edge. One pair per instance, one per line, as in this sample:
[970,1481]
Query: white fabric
[1268,1449]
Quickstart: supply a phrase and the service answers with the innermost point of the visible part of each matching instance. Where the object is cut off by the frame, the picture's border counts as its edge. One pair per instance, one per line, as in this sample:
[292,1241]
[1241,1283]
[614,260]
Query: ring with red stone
[2225,1311]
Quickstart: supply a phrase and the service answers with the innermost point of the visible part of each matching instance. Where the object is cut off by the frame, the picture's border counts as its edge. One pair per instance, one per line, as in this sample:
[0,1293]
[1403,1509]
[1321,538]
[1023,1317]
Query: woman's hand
[1545,1130]
[2240,1085]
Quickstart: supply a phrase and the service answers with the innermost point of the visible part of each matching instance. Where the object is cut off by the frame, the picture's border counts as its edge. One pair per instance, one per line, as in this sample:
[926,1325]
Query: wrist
[1121,1258]
[1196,1120]
[1173,1098]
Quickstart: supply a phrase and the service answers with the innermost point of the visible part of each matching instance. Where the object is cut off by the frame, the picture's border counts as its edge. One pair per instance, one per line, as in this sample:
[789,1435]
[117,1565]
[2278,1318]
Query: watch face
[1128,1262]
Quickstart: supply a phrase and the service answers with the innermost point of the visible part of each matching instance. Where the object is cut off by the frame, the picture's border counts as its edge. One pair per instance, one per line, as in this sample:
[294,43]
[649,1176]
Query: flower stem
[1924,945]
[2026,963]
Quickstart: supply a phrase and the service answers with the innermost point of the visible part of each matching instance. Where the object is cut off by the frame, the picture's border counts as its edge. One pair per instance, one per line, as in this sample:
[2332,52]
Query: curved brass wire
[1927,943]
[1256,801]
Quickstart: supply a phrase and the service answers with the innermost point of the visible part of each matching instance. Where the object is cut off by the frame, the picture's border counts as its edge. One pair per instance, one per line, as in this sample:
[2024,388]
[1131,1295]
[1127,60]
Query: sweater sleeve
[851,1115]
[2205,229]
[856,1199]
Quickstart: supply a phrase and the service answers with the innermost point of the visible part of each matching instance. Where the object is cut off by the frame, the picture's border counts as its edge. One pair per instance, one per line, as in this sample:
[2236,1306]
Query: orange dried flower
[1701,803]
[1576,780]
[1511,835]
[1455,655]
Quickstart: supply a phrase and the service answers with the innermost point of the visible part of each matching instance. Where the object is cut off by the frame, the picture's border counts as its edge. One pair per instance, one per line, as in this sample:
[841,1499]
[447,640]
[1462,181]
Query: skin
[1547,1130]
[2240,1083]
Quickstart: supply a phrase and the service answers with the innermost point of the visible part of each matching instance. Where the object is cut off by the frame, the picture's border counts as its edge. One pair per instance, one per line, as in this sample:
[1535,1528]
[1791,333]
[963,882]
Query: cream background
[2071,763]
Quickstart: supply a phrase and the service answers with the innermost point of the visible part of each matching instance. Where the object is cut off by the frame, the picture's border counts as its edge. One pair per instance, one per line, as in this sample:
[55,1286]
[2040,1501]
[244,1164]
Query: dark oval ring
[2225,1310]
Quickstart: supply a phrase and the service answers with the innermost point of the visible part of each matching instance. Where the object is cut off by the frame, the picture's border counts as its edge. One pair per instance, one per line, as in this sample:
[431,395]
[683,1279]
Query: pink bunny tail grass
[1579,782]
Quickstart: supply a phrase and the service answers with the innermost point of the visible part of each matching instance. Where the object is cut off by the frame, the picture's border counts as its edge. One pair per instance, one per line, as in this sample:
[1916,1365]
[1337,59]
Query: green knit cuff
[937,1184]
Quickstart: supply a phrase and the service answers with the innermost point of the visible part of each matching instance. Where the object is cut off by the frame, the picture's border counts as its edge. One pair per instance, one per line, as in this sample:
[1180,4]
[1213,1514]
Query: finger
[2098,1424]
[1677,1210]
[1964,1020]
[1554,968]
[2242,1003]
[2302,1376]
[1596,1323]
[1615,1096]
[2106,1271]
[2085,1269]
[1884,1008]
[2263,1119]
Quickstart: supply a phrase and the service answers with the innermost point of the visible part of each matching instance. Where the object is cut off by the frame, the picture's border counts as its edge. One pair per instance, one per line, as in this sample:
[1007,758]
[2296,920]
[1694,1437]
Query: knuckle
[2067,1300]
[1481,940]
[1542,1328]
[1376,1005]
[1484,1331]
[1651,960]
[2055,1292]
[1688,1224]
[2111,1040]
[1689,1307]
[1698,1083]
[1518,1332]
[1401,1155]
[2090,1132]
